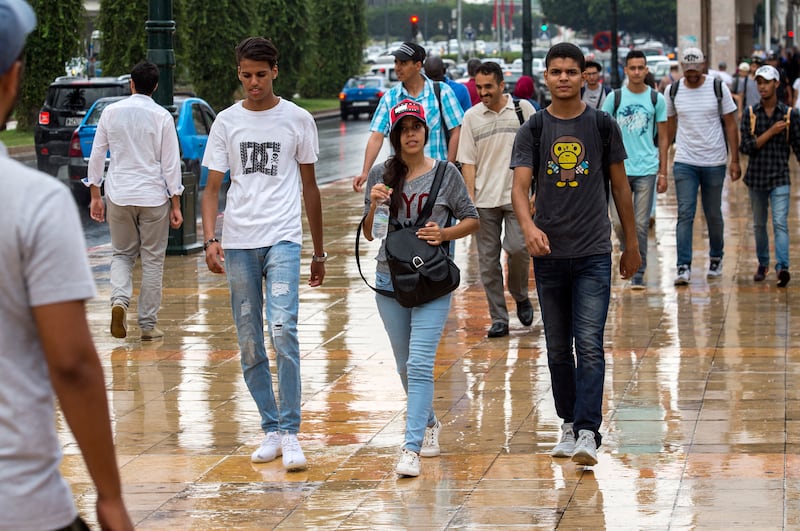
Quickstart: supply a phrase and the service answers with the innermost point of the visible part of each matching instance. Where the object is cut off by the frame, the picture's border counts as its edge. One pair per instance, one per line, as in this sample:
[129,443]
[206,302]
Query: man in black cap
[46,347]
[442,110]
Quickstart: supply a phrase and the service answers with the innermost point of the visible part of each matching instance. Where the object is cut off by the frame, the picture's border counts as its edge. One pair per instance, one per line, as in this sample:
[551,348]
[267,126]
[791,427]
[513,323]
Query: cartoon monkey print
[567,159]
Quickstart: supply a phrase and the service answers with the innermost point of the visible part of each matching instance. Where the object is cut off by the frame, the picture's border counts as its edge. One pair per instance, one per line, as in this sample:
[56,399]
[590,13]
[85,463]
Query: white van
[385,70]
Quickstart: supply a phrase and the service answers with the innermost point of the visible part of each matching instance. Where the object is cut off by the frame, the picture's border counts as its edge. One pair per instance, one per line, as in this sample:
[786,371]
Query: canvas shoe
[714,268]
[761,273]
[783,277]
[585,449]
[566,446]
[408,465]
[149,334]
[270,448]
[119,321]
[293,458]
[430,443]
[684,275]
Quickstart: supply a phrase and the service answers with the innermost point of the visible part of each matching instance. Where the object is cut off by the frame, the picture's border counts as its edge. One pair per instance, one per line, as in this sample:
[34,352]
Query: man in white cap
[45,343]
[701,157]
[443,111]
[768,130]
[743,89]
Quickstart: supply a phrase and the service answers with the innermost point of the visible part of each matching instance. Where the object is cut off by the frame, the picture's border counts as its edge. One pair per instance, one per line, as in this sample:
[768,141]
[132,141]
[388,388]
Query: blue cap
[17,20]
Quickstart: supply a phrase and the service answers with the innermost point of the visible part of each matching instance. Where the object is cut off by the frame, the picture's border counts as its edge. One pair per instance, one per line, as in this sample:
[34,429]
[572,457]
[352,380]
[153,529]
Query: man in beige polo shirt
[484,150]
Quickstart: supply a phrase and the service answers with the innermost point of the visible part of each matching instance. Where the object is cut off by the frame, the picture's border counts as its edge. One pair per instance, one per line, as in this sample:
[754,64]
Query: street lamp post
[160,28]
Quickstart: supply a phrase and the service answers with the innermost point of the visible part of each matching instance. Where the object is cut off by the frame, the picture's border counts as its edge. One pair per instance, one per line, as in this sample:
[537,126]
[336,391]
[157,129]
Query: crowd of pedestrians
[546,188]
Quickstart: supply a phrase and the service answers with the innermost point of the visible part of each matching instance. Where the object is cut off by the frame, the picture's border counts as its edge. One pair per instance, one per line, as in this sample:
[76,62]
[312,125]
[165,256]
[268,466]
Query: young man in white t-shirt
[701,158]
[270,146]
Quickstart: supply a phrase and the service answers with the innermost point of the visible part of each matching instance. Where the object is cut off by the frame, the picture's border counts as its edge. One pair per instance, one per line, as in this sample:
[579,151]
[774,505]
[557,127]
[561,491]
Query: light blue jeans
[709,180]
[246,270]
[573,296]
[643,190]
[414,334]
[760,201]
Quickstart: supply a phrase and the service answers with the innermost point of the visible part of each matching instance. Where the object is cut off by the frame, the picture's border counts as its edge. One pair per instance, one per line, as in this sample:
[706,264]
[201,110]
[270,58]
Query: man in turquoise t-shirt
[640,116]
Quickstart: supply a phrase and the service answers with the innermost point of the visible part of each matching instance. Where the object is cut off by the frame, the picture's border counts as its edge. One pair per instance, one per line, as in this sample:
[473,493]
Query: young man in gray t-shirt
[569,238]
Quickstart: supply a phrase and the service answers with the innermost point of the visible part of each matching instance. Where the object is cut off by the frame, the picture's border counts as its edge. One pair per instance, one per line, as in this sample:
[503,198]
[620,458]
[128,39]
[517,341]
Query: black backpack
[653,100]
[603,122]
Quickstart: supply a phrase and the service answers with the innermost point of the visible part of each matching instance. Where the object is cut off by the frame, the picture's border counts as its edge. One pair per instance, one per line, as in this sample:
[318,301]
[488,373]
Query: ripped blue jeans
[246,270]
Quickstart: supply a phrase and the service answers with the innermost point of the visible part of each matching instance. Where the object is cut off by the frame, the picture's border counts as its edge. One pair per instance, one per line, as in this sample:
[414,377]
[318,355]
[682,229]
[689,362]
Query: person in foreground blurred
[405,179]
[45,343]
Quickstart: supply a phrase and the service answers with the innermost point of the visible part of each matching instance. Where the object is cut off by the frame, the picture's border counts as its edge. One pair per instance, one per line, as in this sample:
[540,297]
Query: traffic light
[544,26]
[414,27]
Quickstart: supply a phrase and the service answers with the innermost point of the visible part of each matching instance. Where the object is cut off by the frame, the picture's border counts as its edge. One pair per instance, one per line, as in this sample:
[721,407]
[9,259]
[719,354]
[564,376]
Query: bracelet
[208,243]
[320,259]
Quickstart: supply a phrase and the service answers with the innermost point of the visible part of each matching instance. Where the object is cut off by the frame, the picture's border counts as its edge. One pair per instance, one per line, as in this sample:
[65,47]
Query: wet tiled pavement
[701,411]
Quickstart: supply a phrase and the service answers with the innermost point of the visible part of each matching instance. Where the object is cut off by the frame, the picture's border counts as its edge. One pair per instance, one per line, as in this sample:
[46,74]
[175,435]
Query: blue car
[193,123]
[361,95]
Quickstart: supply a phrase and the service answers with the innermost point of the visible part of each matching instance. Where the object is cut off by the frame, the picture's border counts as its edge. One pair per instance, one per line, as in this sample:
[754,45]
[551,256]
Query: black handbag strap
[424,215]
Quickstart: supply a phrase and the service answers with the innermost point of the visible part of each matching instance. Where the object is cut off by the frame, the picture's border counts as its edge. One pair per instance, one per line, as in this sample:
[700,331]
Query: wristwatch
[208,243]
[320,259]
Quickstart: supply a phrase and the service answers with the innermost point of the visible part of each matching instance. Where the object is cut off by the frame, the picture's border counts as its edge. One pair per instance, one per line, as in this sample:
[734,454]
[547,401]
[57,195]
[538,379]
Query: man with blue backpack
[641,113]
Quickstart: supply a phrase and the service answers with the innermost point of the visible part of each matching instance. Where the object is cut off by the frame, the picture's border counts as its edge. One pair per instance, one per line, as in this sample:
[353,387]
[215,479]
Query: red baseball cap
[406,108]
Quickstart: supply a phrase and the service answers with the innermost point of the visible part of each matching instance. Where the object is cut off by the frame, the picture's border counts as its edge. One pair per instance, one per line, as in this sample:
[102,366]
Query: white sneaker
[408,465]
[293,458]
[269,449]
[566,446]
[430,444]
[585,449]
[714,268]
[684,275]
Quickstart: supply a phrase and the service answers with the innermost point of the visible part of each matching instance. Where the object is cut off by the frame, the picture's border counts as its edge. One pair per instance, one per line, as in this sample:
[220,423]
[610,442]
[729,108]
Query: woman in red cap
[405,180]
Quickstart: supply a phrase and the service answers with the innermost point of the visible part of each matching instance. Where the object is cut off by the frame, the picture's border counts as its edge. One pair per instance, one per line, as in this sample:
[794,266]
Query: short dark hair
[145,77]
[257,49]
[491,68]
[565,50]
[593,64]
[434,68]
[472,66]
[635,54]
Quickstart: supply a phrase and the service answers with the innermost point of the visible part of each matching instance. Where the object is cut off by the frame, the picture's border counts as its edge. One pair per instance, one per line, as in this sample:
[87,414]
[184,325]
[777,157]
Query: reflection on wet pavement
[701,423]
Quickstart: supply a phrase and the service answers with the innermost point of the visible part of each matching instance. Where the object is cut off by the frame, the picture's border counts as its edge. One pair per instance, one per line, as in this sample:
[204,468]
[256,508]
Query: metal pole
[160,29]
[615,81]
[767,26]
[458,36]
[527,37]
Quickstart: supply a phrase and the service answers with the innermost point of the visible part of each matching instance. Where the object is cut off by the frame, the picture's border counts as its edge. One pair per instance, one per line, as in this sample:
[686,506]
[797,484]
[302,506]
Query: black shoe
[525,312]
[783,277]
[498,330]
[761,273]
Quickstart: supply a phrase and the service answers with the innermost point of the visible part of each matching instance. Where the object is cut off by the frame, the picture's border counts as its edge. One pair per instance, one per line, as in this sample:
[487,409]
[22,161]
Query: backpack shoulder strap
[537,122]
[673,90]
[518,110]
[653,97]
[752,120]
[718,94]
[435,186]
[437,90]
[617,101]
[603,121]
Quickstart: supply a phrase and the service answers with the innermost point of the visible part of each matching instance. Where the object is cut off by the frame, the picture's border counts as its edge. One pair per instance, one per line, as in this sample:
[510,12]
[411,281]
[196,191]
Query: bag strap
[518,110]
[358,263]
[437,89]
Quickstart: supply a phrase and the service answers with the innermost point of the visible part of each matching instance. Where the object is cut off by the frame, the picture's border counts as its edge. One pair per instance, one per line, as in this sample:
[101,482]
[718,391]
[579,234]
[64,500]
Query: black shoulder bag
[420,272]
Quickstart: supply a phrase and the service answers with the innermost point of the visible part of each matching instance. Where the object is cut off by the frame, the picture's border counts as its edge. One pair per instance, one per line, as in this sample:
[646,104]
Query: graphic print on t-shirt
[566,159]
[635,119]
[260,157]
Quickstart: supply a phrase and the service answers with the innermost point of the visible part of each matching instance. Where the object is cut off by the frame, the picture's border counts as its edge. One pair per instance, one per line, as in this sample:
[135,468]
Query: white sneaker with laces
[293,458]
[566,446]
[684,275]
[269,449]
[408,465]
[430,443]
[714,268]
[585,449]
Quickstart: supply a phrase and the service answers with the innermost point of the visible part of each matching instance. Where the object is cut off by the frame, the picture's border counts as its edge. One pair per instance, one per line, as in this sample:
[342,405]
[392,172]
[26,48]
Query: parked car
[66,103]
[361,95]
[193,123]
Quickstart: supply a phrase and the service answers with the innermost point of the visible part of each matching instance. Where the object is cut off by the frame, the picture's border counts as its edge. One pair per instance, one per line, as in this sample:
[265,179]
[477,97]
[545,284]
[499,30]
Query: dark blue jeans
[573,298]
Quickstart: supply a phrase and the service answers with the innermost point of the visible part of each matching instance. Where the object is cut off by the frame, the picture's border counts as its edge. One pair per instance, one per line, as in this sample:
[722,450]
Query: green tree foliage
[655,17]
[55,40]
[212,31]
[333,58]
[124,38]
[287,24]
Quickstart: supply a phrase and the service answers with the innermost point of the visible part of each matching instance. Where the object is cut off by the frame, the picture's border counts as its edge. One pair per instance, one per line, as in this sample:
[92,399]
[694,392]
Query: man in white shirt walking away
[142,190]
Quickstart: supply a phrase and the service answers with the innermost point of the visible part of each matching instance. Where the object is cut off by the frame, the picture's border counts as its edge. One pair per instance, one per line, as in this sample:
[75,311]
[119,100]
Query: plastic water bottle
[380,221]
